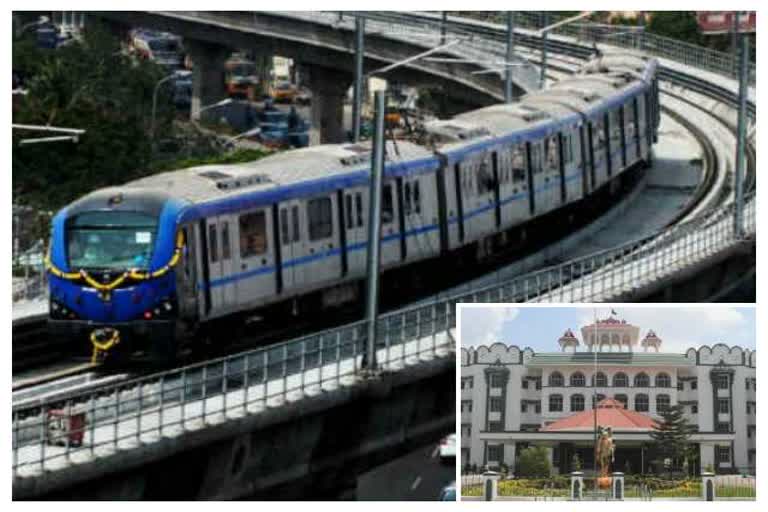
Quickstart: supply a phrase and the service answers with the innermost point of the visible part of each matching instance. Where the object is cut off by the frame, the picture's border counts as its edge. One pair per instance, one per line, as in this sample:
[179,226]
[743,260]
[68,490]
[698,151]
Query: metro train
[176,255]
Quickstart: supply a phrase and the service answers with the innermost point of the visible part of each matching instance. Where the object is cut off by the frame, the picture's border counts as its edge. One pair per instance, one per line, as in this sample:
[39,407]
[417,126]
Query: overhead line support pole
[738,219]
[357,99]
[508,85]
[374,230]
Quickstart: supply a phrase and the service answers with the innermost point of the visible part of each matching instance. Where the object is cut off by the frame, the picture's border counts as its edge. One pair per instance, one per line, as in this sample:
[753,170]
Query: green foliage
[234,157]
[680,25]
[576,462]
[533,462]
[670,436]
[91,85]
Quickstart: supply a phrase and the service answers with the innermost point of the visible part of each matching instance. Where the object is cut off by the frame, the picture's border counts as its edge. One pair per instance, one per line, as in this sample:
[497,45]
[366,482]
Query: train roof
[212,182]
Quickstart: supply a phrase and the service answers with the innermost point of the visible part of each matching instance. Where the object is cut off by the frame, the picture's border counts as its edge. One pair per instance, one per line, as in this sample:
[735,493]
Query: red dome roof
[610,413]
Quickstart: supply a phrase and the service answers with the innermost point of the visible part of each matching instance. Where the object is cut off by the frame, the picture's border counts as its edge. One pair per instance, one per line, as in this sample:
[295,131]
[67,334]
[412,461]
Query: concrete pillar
[329,88]
[617,488]
[551,458]
[207,74]
[708,486]
[706,454]
[509,457]
[490,485]
[577,485]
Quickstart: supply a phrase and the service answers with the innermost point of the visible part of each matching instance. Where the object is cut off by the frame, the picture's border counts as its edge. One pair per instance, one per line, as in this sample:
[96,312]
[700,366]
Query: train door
[391,251]
[537,186]
[228,262]
[290,243]
[214,264]
[452,187]
[322,260]
[257,263]
[355,222]
[186,277]
[421,241]
[479,195]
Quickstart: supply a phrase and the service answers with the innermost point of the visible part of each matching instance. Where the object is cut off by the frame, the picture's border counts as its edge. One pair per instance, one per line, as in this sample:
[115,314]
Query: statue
[604,454]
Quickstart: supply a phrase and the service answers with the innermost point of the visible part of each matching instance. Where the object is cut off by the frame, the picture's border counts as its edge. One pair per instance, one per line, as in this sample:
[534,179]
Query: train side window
[536,158]
[359,208]
[484,176]
[598,132]
[320,218]
[407,207]
[550,150]
[253,234]
[416,198]
[349,213]
[295,218]
[225,250]
[213,244]
[284,235]
[387,206]
[518,164]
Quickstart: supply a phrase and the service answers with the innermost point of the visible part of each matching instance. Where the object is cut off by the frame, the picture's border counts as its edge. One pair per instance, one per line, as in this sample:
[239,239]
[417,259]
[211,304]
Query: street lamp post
[374,230]
[154,105]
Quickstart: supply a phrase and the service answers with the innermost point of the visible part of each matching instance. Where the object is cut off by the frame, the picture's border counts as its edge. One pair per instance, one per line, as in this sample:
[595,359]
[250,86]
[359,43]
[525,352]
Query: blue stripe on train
[268,269]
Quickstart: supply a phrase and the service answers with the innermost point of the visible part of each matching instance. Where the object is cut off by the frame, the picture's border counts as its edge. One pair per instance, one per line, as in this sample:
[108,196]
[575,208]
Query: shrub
[533,462]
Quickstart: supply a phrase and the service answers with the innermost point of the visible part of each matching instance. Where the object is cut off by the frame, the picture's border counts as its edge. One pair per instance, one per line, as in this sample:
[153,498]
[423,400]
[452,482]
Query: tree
[533,462]
[670,436]
[576,462]
[92,85]
[680,25]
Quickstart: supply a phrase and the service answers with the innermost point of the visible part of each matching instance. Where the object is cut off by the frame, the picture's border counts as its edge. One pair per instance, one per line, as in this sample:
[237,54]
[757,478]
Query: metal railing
[53,433]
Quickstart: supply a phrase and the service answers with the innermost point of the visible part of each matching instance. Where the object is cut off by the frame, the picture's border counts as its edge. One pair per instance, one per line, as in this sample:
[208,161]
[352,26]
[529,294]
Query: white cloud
[683,327]
[483,325]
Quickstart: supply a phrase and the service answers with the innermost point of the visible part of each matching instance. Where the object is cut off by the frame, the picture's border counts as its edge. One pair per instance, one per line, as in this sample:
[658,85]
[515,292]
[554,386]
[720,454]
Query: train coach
[176,256]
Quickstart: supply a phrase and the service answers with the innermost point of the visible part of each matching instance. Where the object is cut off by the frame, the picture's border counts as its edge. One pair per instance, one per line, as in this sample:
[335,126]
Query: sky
[539,327]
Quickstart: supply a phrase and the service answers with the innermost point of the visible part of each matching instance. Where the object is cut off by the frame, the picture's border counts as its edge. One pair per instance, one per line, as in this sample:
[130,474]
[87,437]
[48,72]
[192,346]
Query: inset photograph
[622,403]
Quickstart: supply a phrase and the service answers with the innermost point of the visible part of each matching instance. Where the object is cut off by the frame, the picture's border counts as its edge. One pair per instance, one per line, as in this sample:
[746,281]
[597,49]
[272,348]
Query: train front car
[112,265]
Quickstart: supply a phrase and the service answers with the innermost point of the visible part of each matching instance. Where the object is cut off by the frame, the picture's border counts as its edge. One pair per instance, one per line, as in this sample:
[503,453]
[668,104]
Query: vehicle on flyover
[187,254]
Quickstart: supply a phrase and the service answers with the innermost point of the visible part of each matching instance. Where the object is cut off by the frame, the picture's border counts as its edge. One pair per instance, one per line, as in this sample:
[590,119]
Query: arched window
[615,339]
[604,339]
[577,379]
[642,380]
[620,380]
[577,402]
[600,380]
[641,402]
[623,399]
[555,379]
[600,397]
[555,403]
[662,403]
[663,380]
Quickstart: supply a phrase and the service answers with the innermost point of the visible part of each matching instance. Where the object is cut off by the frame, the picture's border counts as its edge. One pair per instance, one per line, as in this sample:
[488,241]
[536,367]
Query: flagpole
[594,398]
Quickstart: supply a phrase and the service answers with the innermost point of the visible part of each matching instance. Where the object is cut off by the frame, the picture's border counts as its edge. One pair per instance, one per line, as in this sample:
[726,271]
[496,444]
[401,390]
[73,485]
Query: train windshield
[111,240]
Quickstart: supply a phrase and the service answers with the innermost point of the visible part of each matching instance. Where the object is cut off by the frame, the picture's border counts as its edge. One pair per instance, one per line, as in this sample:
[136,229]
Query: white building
[512,398]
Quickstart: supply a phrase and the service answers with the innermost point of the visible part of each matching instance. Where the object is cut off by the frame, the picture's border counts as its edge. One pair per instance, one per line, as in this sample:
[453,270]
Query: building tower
[651,341]
[568,341]
[611,335]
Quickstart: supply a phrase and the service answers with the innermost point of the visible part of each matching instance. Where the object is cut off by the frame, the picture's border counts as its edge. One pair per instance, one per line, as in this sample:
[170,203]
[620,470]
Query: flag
[614,313]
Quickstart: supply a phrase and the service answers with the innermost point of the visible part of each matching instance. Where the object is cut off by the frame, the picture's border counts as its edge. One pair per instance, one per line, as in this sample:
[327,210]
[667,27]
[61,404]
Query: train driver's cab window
[615,127]
[253,234]
[387,206]
[518,164]
[319,218]
[629,120]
